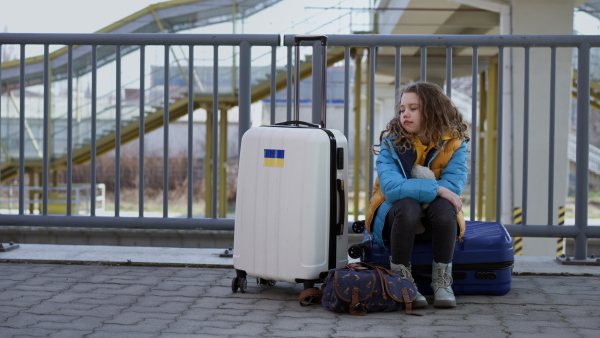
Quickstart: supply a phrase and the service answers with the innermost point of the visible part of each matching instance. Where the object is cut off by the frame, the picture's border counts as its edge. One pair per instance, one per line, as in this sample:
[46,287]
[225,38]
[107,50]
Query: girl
[427,131]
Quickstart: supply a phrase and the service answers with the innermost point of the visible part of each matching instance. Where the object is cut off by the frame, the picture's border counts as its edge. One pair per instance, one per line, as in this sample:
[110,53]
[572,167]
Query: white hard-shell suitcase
[291,204]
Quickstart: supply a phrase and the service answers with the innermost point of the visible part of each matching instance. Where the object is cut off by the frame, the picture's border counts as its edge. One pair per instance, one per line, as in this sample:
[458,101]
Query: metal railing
[57,201]
[594,158]
[580,231]
[94,41]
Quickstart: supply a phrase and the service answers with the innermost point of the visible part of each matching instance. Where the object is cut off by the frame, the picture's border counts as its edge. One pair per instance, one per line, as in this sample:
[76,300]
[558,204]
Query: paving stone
[69,334]
[30,332]
[180,291]
[133,318]
[124,334]
[74,309]
[147,326]
[131,301]
[25,320]
[111,289]
[236,330]
[183,326]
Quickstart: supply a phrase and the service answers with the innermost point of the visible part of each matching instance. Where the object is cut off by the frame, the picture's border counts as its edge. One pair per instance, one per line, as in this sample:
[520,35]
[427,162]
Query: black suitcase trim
[459,271]
[334,227]
[471,266]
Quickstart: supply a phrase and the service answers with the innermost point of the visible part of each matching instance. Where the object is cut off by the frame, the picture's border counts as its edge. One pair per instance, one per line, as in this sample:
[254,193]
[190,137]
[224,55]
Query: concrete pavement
[187,293]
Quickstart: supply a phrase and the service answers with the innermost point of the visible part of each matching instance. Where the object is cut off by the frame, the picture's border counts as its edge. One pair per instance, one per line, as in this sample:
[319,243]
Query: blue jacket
[393,172]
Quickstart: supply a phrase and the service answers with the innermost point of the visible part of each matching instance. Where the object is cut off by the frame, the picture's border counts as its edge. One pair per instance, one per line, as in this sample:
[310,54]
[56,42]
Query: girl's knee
[406,208]
[441,211]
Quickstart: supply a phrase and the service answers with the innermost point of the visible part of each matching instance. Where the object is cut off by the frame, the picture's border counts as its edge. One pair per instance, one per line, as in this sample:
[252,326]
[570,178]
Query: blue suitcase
[482,263]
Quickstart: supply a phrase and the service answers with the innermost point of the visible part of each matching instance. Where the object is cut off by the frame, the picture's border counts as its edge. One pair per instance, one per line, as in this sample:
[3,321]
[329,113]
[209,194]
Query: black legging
[440,224]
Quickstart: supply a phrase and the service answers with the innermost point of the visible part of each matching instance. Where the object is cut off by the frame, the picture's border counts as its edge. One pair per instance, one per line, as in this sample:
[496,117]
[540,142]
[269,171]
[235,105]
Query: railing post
[582,154]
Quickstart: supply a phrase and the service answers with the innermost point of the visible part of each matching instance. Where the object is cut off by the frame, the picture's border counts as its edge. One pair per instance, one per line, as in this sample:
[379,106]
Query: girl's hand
[450,196]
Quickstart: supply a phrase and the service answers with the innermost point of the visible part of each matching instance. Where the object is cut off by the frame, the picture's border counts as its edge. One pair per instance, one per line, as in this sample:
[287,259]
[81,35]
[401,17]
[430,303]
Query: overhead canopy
[441,17]
[170,16]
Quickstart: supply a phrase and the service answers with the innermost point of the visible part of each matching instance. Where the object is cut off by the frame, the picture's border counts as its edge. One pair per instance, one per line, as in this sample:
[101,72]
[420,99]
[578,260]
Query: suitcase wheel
[235,285]
[355,251]
[239,283]
[243,285]
[261,281]
[358,227]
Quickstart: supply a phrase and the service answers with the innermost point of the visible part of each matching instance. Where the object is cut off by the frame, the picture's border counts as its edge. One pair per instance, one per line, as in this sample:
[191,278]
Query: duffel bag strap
[354,303]
[310,296]
[408,303]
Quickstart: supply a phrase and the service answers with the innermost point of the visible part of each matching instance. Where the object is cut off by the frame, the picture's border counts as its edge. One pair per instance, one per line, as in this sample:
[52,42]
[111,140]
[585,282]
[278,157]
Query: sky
[69,16]
[85,16]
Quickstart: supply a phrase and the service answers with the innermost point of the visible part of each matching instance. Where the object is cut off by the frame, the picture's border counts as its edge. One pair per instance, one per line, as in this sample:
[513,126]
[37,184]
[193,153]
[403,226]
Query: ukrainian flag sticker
[274,158]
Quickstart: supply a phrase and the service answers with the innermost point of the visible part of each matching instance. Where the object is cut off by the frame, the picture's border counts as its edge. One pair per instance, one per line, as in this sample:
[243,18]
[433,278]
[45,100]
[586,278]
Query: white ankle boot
[404,272]
[442,285]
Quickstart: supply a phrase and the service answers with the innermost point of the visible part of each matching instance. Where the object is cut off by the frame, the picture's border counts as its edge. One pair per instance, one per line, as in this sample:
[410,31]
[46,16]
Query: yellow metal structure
[560,242]
[491,141]
[518,241]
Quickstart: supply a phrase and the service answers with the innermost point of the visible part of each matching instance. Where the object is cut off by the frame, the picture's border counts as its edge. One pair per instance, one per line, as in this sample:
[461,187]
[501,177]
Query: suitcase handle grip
[298,123]
[299,38]
[342,206]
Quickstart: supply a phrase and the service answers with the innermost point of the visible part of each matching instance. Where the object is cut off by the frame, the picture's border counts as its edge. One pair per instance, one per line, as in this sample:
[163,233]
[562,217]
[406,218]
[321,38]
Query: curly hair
[439,117]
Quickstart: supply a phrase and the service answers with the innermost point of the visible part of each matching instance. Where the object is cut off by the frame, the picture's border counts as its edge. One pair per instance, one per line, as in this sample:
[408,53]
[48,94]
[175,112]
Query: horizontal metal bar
[592,232]
[119,222]
[456,40]
[517,230]
[140,39]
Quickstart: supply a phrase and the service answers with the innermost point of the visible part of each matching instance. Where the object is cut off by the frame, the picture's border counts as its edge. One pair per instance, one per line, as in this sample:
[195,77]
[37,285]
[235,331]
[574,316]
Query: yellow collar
[422,150]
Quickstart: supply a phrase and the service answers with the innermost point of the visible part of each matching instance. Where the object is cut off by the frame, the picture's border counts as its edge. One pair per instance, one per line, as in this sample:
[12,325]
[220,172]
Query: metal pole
[46,156]
[552,140]
[582,154]
[69,130]
[93,127]
[190,185]
[397,74]
[142,131]
[346,91]
[357,129]
[166,135]
[499,135]
[118,132]
[223,163]
[22,131]
[215,128]
[525,139]
[474,135]
[369,174]
[449,71]
[423,63]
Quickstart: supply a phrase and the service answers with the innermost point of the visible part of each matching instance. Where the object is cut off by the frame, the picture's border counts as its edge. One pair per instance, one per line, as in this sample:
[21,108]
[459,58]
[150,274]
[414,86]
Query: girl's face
[410,113]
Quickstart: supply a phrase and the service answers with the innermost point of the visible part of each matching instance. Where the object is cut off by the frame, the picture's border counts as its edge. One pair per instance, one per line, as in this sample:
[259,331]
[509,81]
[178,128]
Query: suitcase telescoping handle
[297,41]
[297,123]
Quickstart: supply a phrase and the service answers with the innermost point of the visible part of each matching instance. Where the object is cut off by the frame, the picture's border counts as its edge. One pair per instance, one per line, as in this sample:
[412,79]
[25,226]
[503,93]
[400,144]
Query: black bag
[359,288]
